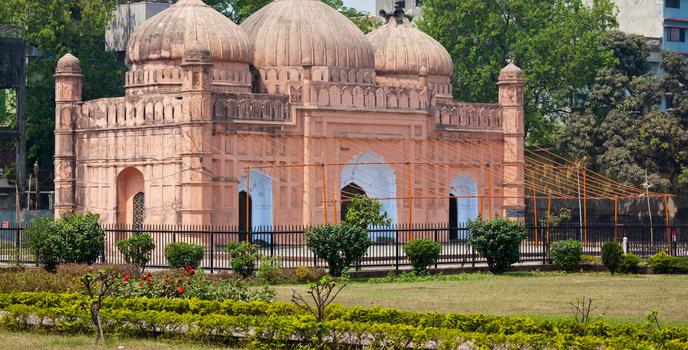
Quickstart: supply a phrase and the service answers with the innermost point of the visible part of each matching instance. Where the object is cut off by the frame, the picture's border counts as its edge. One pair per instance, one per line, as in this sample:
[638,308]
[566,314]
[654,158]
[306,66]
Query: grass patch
[622,298]
[39,341]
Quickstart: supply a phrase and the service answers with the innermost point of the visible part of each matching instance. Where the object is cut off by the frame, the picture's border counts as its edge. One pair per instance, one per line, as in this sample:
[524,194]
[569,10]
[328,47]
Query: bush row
[284,331]
[68,313]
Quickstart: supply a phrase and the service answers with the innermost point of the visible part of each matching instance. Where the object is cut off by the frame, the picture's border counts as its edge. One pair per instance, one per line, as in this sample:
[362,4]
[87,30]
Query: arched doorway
[348,193]
[131,198]
[244,214]
[464,206]
[259,205]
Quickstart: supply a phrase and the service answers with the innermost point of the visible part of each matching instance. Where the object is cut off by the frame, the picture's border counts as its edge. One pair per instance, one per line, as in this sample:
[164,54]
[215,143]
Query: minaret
[196,135]
[68,86]
[511,100]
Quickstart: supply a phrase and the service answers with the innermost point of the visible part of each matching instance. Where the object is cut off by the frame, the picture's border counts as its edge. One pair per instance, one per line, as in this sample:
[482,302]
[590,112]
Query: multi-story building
[128,17]
[413,7]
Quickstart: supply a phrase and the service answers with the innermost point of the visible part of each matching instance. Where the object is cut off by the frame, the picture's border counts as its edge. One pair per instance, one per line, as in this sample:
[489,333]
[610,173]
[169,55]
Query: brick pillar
[511,99]
[68,86]
[196,136]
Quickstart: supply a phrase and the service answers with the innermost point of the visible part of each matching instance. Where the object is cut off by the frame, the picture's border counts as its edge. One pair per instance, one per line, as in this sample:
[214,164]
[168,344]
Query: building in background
[413,7]
[662,22]
[128,17]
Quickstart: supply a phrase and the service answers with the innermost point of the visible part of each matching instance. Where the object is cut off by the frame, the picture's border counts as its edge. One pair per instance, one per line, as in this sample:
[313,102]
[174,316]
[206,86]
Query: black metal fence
[287,243]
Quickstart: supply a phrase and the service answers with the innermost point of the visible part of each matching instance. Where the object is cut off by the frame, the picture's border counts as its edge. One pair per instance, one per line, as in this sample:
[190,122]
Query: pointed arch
[375,180]
[130,197]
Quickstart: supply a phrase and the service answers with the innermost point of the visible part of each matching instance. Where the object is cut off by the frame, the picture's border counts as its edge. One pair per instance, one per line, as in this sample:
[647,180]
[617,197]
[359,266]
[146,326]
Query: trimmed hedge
[663,263]
[567,254]
[280,325]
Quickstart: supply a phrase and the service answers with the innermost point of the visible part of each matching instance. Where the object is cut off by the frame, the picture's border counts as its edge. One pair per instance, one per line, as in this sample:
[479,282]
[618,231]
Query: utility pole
[38,190]
[647,186]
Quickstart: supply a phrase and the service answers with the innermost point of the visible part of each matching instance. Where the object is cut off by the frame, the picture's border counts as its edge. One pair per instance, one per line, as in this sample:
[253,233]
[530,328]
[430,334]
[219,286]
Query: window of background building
[676,34]
[674,4]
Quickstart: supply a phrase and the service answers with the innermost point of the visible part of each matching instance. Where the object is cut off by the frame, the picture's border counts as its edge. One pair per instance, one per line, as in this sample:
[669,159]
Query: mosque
[280,121]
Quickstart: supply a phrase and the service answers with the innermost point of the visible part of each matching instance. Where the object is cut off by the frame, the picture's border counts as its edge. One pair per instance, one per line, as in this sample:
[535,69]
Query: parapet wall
[130,111]
[464,115]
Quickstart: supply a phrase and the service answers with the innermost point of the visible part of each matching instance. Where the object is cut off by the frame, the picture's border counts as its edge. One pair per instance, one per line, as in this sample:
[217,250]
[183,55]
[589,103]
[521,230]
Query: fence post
[436,241]
[212,251]
[472,256]
[272,242]
[397,252]
[545,245]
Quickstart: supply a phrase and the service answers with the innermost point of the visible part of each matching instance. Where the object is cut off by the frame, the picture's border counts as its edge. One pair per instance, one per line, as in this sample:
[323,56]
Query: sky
[361,5]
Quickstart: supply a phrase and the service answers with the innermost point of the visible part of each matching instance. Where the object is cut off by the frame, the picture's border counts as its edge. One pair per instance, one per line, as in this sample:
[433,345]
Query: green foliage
[137,249]
[307,274]
[630,263]
[282,325]
[57,27]
[270,270]
[498,240]
[558,44]
[365,212]
[340,245]
[183,254]
[422,253]
[43,242]
[243,257]
[663,263]
[76,238]
[612,256]
[410,277]
[567,254]
[66,279]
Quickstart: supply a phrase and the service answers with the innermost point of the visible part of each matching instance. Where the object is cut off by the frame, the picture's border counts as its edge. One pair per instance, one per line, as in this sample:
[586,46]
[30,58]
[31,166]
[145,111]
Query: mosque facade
[280,121]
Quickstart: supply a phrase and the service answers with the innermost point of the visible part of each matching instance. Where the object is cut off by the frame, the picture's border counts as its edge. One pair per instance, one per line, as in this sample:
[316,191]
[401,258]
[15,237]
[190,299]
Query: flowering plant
[167,285]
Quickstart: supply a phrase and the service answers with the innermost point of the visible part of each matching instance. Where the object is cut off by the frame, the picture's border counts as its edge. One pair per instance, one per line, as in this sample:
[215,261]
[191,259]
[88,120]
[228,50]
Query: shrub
[304,274]
[589,259]
[498,240]
[340,245]
[43,242]
[567,254]
[630,263]
[82,238]
[243,257]
[612,256]
[422,253]
[663,263]
[76,238]
[137,249]
[183,254]
[269,270]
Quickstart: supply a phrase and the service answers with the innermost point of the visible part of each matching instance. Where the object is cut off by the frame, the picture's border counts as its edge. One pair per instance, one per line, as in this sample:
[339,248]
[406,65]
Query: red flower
[189,283]
[150,282]
[143,277]
[126,277]
[180,290]
[191,271]
[167,280]
[141,284]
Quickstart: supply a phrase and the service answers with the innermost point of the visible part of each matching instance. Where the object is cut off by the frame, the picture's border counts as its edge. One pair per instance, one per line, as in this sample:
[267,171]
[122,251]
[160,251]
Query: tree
[57,27]
[340,245]
[364,212]
[557,43]
[498,240]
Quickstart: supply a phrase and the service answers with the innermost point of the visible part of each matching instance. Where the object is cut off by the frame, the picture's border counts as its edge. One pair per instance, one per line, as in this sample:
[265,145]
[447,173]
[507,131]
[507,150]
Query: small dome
[511,72]
[285,32]
[166,35]
[68,64]
[402,49]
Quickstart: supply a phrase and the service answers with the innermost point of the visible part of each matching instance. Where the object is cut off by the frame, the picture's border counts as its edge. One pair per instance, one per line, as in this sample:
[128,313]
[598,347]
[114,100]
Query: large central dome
[285,32]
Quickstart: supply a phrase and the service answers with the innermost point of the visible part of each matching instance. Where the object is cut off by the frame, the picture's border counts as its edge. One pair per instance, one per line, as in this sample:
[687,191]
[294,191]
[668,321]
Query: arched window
[138,210]
[130,198]
[375,180]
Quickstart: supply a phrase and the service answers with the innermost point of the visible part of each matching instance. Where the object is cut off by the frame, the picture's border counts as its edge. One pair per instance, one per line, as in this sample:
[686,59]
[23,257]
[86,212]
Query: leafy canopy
[558,44]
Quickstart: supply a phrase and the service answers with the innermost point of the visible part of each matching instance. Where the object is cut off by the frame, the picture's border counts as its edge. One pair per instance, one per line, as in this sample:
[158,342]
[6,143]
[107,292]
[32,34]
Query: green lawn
[33,341]
[619,298]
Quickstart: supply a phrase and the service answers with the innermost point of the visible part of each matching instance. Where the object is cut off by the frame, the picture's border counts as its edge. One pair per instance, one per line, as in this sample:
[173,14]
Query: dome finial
[399,13]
